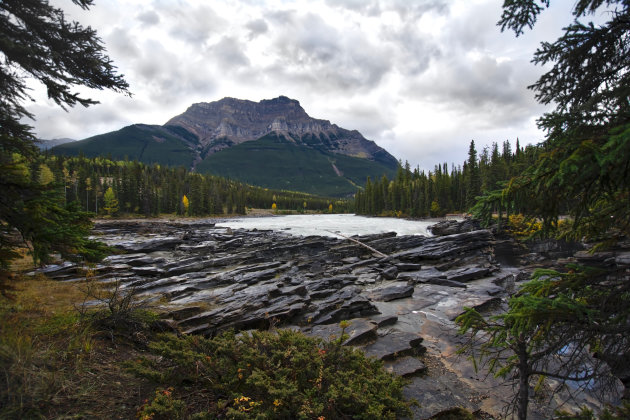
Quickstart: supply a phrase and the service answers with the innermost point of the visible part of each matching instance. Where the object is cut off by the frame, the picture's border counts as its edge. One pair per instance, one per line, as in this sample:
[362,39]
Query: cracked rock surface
[401,308]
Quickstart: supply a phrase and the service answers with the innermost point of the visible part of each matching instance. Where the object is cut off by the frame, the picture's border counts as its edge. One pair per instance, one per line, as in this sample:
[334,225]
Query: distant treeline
[105,186]
[416,193]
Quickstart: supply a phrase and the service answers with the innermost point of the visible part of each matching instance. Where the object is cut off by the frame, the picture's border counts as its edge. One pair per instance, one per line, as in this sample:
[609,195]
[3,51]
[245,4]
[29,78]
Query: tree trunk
[523,386]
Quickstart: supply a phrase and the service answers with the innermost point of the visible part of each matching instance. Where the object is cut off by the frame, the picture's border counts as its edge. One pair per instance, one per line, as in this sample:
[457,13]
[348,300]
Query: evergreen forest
[416,193]
[130,188]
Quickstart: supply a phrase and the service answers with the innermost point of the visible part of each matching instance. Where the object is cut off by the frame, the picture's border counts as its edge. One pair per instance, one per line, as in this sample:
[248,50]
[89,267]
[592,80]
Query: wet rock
[203,246]
[385,320]
[262,278]
[446,246]
[147,271]
[359,331]
[623,259]
[143,259]
[122,259]
[467,273]
[445,282]
[480,303]
[390,273]
[395,344]
[422,276]
[408,267]
[292,290]
[347,303]
[151,245]
[393,292]
[194,266]
[435,394]
[56,270]
[405,366]
[112,268]
[184,313]
[334,283]
[453,227]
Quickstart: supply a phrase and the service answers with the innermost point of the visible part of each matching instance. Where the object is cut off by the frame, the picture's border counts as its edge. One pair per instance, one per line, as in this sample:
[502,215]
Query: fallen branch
[379,253]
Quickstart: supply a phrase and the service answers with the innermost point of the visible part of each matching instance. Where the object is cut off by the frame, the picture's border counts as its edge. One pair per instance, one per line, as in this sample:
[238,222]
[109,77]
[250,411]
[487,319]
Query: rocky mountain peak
[241,120]
[230,121]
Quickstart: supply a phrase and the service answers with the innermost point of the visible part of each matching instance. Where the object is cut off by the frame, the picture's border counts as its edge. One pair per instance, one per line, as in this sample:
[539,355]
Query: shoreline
[258,213]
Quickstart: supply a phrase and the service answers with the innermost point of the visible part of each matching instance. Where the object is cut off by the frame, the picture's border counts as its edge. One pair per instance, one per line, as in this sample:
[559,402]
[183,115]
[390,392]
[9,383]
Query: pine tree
[473,181]
[37,41]
[558,318]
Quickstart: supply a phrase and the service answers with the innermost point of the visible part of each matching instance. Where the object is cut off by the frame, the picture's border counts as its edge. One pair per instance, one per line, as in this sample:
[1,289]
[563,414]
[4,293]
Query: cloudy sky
[419,77]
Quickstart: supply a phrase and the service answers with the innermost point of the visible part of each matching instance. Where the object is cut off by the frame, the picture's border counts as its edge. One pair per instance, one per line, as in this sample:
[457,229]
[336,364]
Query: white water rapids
[324,224]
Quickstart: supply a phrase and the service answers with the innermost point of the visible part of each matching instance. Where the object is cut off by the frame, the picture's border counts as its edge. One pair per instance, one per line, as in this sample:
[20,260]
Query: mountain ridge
[231,137]
[240,120]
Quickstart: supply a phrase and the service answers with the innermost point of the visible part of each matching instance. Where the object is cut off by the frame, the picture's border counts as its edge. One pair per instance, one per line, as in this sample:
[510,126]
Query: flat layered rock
[395,344]
[405,366]
[390,273]
[347,304]
[393,292]
[151,245]
[385,320]
[444,282]
[359,331]
[446,246]
[422,276]
[467,273]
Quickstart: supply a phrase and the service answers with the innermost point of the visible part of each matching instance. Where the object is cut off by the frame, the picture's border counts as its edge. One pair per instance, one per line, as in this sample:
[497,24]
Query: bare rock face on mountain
[271,144]
[229,121]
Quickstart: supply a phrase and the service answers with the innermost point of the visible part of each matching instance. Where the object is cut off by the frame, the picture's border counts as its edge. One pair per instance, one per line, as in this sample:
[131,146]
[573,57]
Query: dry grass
[52,362]
[23,263]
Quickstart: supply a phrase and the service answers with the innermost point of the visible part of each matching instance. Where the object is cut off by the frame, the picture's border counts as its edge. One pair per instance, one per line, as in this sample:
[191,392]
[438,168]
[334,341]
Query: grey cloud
[364,7]
[494,92]
[149,18]
[306,47]
[121,44]
[415,9]
[53,122]
[373,119]
[405,8]
[229,53]
[166,76]
[195,25]
[415,49]
[257,27]
[473,31]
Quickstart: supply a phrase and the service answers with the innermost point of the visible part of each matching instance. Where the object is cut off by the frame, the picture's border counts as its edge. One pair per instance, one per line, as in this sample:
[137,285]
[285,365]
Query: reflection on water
[324,224]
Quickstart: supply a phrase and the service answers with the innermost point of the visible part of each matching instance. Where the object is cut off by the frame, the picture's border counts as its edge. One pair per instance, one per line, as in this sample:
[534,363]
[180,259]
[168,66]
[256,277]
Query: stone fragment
[158,244]
[467,273]
[395,344]
[359,331]
[422,276]
[393,292]
[184,313]
[408,267]
[390,273]
[405,366]
[444,282]
[385,320]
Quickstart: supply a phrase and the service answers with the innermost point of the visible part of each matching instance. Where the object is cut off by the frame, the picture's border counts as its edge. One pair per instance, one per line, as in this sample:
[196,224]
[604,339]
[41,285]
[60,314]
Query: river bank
[205,279]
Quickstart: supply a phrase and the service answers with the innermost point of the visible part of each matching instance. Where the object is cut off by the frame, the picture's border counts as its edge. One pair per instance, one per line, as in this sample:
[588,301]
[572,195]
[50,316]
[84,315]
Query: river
[326,224]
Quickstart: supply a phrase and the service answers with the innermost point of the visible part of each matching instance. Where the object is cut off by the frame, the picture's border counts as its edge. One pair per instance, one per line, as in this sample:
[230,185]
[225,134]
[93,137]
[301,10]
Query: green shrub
[609,413]
[282,374]
[162,407]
